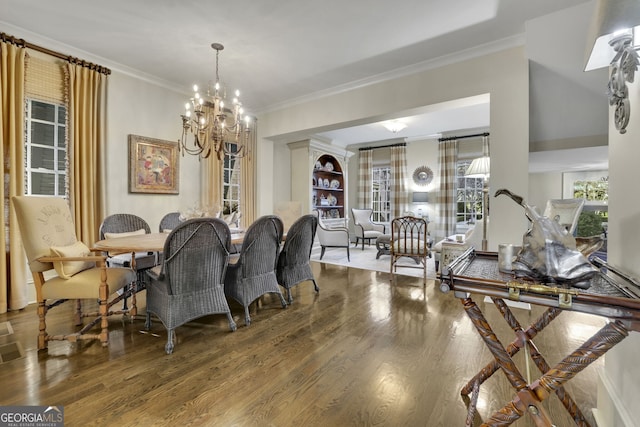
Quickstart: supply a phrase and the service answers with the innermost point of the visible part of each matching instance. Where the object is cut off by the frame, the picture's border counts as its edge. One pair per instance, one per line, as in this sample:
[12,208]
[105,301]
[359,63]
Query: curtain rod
[452,138]
[22,43]
[400,144]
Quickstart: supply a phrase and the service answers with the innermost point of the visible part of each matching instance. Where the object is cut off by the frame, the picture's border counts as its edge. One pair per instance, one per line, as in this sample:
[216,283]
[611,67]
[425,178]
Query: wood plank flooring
[362,352]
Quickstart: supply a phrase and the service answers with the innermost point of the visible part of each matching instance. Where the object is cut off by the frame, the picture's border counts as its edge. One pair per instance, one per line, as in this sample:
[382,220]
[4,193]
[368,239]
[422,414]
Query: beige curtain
[87,138]
[365,162]
[248,181]
[211,189]
[399,196]
[13,289]
[447,163]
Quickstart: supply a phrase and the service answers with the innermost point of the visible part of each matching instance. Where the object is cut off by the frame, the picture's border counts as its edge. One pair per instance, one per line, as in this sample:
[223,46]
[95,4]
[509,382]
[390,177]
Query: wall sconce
[612,42]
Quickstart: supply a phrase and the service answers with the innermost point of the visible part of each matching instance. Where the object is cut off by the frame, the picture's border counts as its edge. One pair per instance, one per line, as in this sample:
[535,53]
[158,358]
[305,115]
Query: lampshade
[611,16]
[420,197]
[479,168]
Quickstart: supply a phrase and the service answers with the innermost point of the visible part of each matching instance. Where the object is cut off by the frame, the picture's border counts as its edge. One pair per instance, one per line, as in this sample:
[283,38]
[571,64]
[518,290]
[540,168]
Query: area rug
[366,260]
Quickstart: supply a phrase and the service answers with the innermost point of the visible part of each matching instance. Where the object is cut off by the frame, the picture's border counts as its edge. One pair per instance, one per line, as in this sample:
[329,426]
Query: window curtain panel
[365,164]
[87,138]
[248,181]
[211,189]
[13,290]
[447,162]
[399,195]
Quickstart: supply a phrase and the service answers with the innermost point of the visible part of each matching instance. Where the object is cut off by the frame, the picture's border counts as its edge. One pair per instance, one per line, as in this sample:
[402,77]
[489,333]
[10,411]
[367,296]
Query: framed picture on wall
[153,165]
[593,186]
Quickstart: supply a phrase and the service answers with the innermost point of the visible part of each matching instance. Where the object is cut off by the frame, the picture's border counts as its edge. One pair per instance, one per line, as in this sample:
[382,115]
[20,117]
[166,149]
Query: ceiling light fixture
[215,126]
[394,126]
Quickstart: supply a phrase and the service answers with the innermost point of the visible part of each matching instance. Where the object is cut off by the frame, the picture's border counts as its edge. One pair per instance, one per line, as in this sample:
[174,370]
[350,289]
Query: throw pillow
[66,269]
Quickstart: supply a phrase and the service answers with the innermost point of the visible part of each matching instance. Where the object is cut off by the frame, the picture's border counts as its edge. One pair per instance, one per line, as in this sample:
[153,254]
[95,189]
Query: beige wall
[619,385]
[544,186]
[502,75]
[141,108]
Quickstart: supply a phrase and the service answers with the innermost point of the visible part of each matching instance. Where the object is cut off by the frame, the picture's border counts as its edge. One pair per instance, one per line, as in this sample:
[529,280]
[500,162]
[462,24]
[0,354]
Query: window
[231,183]
[381,194]
[468,196]
[45,149]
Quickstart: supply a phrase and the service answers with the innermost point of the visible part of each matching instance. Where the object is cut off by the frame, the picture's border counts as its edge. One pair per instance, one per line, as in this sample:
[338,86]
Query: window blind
[45,79]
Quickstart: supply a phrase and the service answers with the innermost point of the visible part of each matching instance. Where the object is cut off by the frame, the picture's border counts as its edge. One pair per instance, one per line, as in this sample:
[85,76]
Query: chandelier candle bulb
[215,127]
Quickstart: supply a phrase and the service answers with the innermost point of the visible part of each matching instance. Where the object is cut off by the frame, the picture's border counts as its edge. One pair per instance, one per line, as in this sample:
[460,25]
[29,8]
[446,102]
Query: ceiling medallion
[422,175]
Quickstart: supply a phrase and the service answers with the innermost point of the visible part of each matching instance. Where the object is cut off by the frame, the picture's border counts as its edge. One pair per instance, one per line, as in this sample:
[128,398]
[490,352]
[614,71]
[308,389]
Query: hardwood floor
[362,352]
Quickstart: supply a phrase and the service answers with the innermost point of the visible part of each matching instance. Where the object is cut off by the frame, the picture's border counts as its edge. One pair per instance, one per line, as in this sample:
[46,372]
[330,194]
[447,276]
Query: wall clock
[422,175]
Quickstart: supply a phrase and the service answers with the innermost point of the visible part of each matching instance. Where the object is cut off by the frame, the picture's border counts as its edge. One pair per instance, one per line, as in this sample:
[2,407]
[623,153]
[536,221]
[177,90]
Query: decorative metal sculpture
[549,253]
[623,68]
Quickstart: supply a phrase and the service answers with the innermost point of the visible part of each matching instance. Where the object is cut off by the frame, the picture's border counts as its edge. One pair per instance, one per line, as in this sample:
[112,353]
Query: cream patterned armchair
[50,242]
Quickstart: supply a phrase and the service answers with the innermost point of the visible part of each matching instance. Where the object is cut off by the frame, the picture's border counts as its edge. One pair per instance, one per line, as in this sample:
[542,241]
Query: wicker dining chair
[189,282]
[254,273]
[293,261]
[169,222]
[124,224]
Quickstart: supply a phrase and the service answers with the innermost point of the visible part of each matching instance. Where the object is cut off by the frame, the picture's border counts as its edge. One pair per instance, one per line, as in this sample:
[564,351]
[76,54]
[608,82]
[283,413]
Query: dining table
[150,242]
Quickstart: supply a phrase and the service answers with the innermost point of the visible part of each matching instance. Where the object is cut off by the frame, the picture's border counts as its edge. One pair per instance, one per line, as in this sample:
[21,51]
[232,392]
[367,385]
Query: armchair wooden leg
[322,252]
[78,313]
[104,301]
[42,325]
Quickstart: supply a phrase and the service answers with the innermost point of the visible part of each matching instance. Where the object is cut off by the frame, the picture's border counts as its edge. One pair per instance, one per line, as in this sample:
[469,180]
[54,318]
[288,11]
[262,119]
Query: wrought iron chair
[409,239]
[335,237]
[120,225]
[366,229]
[293,261]
[50,243]
[254,273]
[189,283]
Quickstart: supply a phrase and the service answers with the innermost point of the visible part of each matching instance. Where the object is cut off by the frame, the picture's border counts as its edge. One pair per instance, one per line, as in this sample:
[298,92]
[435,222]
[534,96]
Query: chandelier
[214,126]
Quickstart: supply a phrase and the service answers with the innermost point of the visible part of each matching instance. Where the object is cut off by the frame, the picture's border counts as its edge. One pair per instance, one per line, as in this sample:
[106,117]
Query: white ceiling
[279,52]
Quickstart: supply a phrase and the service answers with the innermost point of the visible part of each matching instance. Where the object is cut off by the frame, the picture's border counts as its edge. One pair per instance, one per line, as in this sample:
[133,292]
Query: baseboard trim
[611,410]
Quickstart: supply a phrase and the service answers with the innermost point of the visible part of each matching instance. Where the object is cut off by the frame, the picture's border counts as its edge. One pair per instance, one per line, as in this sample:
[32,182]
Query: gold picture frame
[153,166]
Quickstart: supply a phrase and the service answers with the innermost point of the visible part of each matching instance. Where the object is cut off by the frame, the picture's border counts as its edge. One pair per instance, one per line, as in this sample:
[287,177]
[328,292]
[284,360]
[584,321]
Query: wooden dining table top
[151,242]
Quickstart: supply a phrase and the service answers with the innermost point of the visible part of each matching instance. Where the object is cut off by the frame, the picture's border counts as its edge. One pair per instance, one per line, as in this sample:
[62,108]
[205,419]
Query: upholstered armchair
[335,237]
[365,228]
[189,282]
[565,211]
[50,243]
[293,261]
